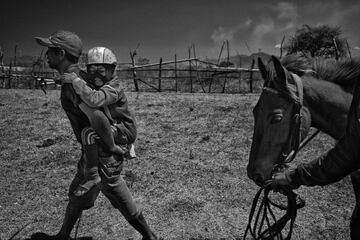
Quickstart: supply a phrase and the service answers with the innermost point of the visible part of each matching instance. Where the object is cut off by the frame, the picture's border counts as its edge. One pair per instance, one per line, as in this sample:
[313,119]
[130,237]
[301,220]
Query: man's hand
[68,77]
[279,180]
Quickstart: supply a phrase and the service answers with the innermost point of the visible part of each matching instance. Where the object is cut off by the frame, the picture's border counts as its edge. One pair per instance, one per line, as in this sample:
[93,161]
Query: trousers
[112,184]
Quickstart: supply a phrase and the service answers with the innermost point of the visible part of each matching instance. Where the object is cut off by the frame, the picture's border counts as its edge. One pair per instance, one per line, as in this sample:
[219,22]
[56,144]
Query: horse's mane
[344,72]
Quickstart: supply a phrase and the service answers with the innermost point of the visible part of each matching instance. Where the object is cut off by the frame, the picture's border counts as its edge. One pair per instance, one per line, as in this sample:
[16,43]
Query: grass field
[189,177]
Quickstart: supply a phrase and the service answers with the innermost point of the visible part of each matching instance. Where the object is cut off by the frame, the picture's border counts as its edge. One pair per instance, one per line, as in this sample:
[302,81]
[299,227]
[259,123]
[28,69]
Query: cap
[68,41]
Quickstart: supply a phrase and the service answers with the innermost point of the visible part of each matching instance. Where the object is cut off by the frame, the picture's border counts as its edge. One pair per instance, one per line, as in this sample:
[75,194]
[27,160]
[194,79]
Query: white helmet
[101,55]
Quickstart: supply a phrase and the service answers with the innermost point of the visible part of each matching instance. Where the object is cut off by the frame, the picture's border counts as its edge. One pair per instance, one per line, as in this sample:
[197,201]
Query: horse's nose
[257,178]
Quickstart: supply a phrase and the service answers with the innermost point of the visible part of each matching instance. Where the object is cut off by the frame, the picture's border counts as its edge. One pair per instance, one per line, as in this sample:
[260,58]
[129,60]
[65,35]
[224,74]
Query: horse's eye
[277,117]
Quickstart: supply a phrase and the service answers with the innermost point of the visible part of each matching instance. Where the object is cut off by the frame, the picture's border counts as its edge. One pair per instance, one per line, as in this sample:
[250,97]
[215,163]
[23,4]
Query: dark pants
[112,186]
[355,217]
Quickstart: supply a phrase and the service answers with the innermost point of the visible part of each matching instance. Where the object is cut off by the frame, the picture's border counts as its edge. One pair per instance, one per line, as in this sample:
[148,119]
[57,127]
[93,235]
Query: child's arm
[106,95]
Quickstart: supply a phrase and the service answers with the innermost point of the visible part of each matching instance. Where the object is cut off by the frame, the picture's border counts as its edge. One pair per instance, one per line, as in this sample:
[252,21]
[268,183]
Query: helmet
[101,55]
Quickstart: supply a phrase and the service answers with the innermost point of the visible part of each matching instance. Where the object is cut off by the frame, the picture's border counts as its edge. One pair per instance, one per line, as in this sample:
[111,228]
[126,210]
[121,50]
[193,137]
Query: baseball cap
[68,41]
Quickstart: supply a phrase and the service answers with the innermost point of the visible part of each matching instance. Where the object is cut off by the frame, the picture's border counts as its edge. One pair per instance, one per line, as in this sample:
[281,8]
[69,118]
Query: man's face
[54,57]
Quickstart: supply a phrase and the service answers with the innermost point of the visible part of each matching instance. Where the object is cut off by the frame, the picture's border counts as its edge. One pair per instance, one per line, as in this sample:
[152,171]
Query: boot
[92,177]
[142,227]
[71,216]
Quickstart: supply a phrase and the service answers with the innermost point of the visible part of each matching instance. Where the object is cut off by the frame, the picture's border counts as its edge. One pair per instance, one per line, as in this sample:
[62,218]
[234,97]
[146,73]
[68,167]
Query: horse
[298,94]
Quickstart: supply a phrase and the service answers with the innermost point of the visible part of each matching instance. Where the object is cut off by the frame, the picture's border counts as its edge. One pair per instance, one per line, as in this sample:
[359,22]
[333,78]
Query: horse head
[281,121]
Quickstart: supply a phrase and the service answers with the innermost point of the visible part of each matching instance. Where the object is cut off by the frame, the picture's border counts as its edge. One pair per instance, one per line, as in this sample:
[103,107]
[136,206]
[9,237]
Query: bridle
[294,202]
[295,144]
[290,150]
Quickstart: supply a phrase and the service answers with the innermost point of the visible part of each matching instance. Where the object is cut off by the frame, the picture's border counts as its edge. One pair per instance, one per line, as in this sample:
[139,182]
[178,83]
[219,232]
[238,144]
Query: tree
[317,41]
[225,63]
[143,61]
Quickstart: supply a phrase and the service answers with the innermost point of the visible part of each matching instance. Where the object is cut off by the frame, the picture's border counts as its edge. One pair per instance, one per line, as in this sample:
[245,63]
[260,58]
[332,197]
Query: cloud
[289,26]
[227,33]
[357,48]
[264,28]
[270,27]
[286,10]
[263,35]
[248,22]
[220,34]
[277,45]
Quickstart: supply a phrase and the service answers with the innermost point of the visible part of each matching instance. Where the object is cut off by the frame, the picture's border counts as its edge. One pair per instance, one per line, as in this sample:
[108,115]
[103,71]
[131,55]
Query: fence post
[15,51]
[281,46]
[222,47]
[134,72]
[348,48]
[198,78]
[190,72]
[160,75]
[175,73]
[251,75]
[9,78]
[211,81]
[240,82]
[2,77]
[227,59]
[336,49]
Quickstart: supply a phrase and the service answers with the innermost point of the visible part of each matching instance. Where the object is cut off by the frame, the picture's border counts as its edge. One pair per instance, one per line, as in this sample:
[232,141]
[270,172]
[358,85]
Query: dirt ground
[189,177]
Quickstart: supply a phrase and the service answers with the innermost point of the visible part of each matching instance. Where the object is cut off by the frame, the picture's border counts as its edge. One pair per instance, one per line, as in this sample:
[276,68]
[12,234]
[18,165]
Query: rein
[265,213]
[274,226]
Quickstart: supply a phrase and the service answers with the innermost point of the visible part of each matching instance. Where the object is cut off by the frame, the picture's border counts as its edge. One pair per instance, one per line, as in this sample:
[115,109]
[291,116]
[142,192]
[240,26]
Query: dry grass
[189,177]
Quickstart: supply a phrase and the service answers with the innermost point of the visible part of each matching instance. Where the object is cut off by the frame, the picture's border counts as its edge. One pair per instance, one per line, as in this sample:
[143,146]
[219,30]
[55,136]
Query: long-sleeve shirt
[70,102]
[112,99]
[339,161]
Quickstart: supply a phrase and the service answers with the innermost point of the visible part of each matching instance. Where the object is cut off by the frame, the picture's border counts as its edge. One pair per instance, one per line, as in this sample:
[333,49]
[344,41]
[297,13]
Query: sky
[163,28]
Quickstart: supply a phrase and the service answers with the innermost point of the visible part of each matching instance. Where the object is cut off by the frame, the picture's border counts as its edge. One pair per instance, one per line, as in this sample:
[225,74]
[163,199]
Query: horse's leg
[355,217]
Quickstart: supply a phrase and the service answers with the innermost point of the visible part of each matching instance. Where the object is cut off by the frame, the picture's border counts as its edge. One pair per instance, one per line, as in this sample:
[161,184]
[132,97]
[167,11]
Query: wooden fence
[20,77]
[191,75]
[184,75]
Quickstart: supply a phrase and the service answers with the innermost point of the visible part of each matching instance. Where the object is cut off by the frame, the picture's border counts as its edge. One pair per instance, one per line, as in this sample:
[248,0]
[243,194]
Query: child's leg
[101,124]
[92,178]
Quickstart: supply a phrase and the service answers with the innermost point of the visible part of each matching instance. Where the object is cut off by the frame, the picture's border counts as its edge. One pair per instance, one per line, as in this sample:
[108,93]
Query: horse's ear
[280,70]
[263,70]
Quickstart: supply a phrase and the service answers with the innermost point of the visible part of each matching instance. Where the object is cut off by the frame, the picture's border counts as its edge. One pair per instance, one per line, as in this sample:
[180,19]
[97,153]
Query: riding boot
[355,180]
[142,227]
[71,216]
[92,177]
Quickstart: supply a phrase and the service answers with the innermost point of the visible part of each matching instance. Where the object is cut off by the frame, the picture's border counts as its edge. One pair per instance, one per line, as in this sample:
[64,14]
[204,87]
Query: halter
[294,145]
[289,151]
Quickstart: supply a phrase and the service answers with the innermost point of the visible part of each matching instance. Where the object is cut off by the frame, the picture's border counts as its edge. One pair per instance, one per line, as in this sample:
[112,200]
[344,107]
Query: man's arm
[330,167]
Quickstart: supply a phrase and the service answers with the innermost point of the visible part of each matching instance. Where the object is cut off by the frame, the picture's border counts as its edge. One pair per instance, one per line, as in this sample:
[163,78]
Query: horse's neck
[328,104]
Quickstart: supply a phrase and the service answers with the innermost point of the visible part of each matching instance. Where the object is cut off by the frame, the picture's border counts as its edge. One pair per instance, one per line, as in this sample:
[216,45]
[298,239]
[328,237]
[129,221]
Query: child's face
[101,74]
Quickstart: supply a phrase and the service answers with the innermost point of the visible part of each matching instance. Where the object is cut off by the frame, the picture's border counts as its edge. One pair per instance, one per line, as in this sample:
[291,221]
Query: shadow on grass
[44,236]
